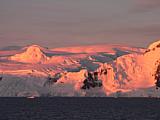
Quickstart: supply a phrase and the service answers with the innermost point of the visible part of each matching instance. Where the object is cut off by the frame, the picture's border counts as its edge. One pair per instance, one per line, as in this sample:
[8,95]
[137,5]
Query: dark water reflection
[79,109]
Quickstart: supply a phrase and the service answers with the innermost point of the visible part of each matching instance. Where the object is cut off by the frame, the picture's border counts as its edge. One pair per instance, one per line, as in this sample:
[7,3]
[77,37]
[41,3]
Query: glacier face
[123,70]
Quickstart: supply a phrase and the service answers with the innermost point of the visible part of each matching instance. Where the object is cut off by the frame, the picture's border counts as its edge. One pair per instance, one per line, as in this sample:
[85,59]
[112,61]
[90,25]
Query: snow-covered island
[94,70]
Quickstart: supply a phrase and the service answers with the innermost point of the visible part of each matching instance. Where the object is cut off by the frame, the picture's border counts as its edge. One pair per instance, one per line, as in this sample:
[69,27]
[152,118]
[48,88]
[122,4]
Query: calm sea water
[79,109]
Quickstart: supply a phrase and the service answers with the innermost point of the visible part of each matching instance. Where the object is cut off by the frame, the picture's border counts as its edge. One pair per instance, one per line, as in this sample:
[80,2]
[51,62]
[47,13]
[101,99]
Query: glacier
[124,71]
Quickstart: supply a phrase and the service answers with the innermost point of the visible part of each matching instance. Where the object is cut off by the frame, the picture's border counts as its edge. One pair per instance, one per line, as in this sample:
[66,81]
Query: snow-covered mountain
[122,70]
[32,54]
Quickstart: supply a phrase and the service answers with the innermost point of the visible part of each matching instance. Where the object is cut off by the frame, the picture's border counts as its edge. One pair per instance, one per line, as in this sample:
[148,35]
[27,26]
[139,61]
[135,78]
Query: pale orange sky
[57,23]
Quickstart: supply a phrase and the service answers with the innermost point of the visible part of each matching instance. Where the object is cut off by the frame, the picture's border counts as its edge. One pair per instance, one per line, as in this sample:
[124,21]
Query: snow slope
[129,70]
[132,72]
[31,54]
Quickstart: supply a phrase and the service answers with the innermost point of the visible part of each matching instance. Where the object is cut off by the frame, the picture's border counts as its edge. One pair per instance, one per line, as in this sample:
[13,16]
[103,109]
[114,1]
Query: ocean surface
[60,108]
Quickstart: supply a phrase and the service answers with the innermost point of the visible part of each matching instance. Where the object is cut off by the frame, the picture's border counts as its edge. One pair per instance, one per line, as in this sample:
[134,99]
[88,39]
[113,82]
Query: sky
[59,23]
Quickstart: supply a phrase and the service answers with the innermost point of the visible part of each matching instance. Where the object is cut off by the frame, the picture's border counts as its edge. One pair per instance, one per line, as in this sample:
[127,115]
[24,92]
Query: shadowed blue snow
[57,23]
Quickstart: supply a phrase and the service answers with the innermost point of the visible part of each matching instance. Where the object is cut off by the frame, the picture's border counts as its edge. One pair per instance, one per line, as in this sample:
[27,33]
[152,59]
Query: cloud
[146,5]
[150,30]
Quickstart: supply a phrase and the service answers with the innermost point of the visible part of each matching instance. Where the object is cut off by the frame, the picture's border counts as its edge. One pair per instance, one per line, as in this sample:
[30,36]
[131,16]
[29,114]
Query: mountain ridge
[121,69]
